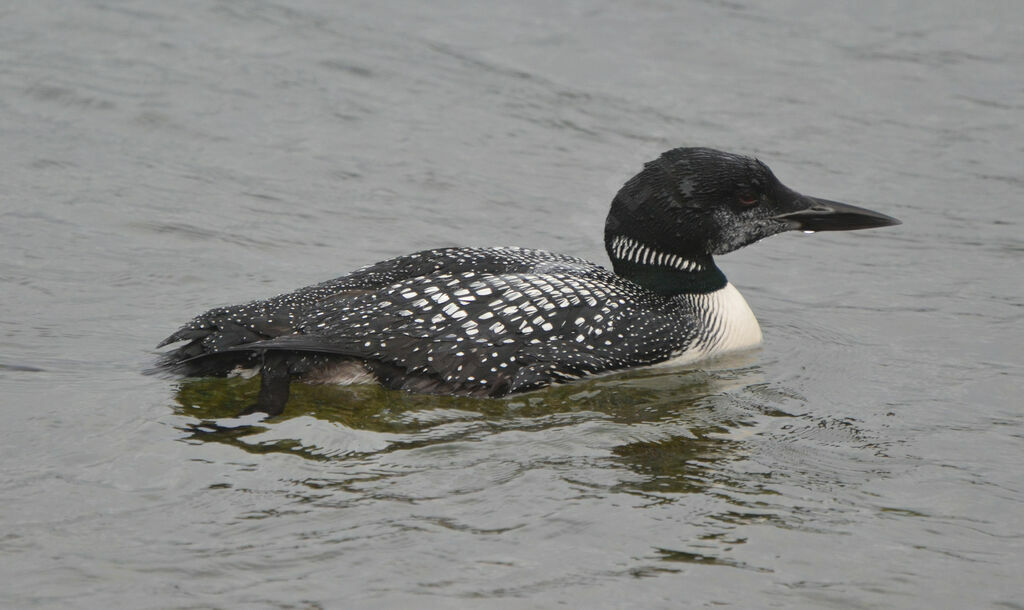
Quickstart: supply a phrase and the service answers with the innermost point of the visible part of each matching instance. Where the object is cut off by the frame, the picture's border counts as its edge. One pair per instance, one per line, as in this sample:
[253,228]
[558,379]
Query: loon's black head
[667,221]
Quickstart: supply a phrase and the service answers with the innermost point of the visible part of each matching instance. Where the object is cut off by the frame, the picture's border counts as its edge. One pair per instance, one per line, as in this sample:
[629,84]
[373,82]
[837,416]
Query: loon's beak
[824,215]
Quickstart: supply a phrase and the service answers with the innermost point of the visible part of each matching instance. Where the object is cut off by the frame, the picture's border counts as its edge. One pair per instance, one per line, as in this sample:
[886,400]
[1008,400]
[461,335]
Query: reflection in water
[685,557]
[656,435]
[368,419]
[718,448]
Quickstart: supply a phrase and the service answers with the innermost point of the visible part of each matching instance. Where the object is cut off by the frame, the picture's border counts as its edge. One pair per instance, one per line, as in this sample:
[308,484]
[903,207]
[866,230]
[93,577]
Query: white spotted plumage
[478,321]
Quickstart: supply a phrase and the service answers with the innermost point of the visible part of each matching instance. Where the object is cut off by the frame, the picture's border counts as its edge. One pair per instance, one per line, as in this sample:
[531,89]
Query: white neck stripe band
[627,249]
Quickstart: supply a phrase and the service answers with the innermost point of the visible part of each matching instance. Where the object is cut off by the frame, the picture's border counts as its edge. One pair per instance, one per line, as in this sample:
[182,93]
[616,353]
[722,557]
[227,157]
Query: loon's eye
[748,197]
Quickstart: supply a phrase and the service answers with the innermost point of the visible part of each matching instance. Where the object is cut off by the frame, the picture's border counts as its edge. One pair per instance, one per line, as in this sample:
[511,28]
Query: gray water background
[162,158]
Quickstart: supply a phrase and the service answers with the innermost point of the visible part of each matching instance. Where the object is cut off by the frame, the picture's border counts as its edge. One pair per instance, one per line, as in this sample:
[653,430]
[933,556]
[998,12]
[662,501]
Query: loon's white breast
[729,325]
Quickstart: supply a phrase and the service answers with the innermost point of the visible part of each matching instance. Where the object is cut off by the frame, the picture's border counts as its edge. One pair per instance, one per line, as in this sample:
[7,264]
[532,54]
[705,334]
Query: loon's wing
[492,334]
[212,336]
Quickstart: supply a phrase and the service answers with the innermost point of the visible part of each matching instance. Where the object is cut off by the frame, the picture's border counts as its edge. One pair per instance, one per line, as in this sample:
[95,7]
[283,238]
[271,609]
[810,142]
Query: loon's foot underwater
[495,321]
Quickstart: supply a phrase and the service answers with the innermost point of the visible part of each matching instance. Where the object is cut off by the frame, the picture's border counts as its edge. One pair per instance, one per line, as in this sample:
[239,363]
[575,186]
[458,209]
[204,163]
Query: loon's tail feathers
[205,353]
[191,361]
[216,353]
[185,333]
[212,337]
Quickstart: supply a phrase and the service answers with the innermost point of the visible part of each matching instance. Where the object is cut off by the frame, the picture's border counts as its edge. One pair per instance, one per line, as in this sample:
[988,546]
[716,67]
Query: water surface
[160,159]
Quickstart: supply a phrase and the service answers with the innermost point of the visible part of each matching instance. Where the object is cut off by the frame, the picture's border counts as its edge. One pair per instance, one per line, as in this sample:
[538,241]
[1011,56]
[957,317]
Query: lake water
[162,158]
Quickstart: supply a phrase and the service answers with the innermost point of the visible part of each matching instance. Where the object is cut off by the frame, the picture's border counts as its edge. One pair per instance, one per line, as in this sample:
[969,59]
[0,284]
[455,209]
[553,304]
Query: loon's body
[495,321]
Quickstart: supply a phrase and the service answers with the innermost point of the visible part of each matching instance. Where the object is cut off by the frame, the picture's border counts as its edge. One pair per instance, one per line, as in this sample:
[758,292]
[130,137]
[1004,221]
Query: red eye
[748,197]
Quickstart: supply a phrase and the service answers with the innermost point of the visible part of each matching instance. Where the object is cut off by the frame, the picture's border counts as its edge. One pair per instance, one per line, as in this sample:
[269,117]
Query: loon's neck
[664,272]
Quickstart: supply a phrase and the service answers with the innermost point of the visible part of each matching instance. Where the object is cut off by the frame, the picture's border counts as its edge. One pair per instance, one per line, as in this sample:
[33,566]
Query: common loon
[495,321]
